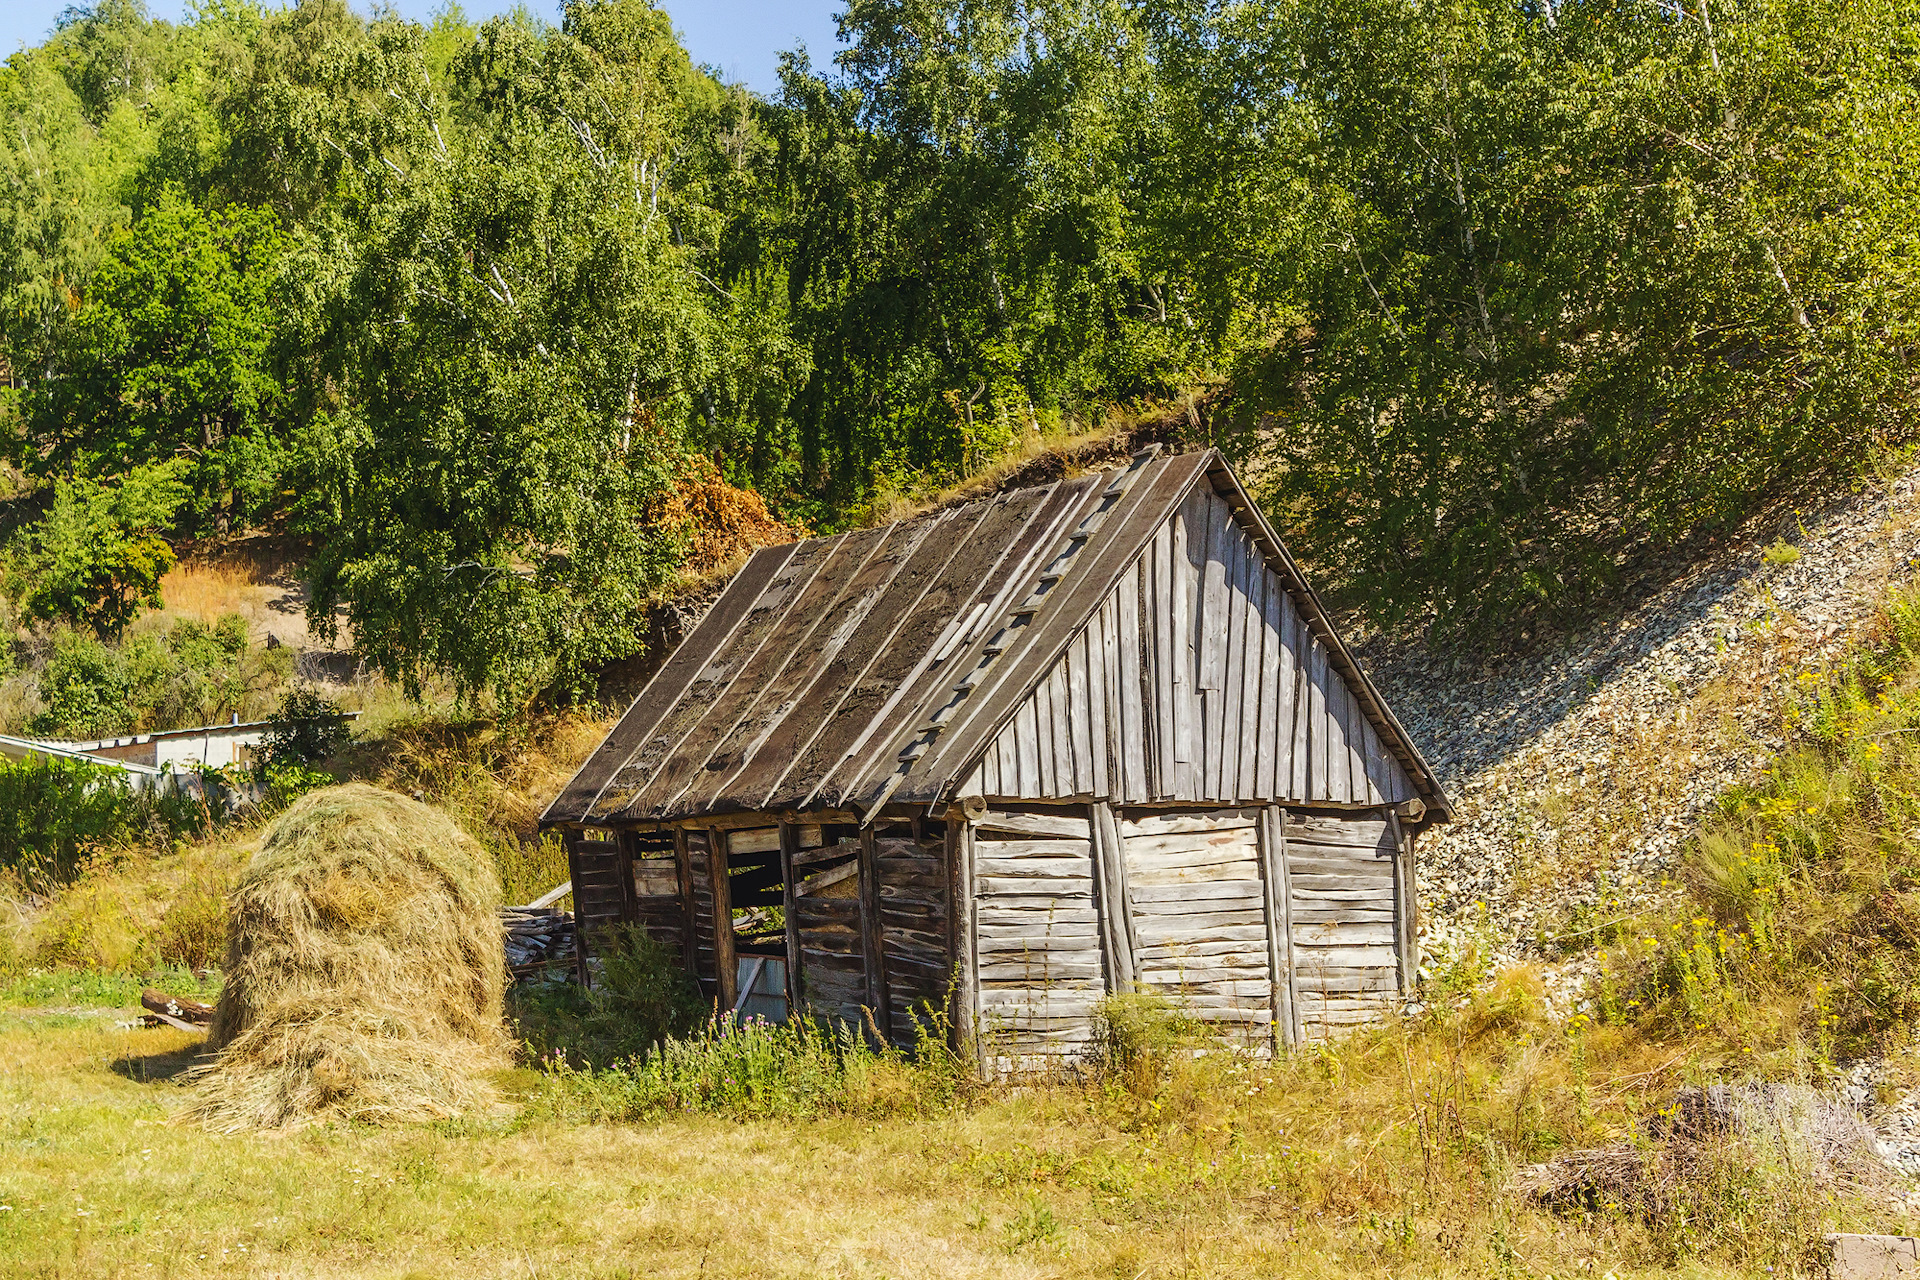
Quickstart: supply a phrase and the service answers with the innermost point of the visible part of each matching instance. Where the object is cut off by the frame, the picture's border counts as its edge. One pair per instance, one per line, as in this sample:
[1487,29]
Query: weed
[1781,553]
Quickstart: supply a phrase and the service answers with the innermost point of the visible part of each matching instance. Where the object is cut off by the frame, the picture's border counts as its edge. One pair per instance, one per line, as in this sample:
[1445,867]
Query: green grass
[38,988]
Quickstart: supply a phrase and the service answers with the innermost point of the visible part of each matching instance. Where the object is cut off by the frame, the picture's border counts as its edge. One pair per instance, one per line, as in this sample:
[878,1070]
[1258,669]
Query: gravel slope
[1579,773]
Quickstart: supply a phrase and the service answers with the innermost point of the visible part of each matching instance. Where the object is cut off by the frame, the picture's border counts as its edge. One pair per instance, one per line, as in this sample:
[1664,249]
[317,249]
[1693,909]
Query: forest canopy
[1488,293]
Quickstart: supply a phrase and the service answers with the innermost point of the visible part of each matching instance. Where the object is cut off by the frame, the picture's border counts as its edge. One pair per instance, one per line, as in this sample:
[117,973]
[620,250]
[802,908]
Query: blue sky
[743,38]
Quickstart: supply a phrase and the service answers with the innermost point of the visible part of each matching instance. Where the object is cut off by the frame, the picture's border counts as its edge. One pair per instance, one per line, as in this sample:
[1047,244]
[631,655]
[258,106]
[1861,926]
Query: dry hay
[1708,1136]
[364,970]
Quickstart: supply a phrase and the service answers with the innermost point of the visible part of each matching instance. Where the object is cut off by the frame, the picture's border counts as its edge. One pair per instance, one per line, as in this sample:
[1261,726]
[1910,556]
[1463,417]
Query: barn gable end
[1166,693]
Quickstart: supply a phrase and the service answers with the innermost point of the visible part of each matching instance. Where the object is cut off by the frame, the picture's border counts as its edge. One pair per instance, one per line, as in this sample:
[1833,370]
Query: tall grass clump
[750,1068]
[1804,927]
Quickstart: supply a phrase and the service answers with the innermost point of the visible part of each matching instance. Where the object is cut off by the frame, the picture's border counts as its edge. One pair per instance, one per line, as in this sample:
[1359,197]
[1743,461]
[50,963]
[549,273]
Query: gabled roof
[879,665]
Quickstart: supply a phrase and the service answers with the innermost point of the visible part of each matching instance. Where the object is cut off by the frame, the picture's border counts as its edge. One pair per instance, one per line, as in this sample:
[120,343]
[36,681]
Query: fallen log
[177,1009]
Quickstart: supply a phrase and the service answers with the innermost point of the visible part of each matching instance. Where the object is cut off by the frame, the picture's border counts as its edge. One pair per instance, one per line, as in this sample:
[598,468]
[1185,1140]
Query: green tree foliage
[1492,292]
[170,358]
[97,558]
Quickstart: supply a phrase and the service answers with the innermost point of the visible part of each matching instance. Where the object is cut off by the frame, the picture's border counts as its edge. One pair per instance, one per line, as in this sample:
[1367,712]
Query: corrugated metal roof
[878,665]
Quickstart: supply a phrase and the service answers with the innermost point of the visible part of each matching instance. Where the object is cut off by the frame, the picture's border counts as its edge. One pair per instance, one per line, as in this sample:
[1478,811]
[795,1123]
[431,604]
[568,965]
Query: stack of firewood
[537,939]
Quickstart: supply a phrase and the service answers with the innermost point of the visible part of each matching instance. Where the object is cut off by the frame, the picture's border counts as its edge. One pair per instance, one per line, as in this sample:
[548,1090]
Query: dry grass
[1387,1156]
[364,970]
[207,591]
[132,910]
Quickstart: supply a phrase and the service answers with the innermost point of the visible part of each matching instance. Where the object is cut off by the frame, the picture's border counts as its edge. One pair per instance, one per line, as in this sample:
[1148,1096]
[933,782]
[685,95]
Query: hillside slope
[1580,772]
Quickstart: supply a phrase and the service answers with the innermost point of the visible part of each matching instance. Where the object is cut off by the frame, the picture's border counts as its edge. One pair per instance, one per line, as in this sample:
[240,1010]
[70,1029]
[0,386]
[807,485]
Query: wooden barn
[1087,737]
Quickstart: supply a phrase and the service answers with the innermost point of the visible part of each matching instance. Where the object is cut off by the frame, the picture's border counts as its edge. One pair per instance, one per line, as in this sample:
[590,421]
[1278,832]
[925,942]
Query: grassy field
[1387,1156]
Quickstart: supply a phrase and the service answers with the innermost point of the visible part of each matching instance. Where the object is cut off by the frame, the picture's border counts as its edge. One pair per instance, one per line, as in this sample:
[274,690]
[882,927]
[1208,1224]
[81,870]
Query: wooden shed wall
[1197,680]
[1263,921]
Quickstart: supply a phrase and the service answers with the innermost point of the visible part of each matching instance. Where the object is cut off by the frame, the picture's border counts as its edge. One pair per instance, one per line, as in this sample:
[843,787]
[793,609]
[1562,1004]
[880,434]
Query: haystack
[364,970]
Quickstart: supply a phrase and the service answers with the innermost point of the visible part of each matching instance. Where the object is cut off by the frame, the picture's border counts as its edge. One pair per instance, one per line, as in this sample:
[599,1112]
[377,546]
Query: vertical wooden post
[873,935]
[726,970]
[959,931]
[569,842]
[790,845]
[1118,933]
[1406,905]
[689,905]
[969,949]
[1273,870]
[623,867]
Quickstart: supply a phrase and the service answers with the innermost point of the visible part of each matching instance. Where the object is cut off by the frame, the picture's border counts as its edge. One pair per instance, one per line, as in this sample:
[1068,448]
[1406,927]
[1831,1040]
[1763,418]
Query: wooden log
[1152,825]
[872,935]
[1405,905]
[726,971]
[991,848]
[1119,937]
[1070,868]
[1245,873]
[177,1011]
[789,846]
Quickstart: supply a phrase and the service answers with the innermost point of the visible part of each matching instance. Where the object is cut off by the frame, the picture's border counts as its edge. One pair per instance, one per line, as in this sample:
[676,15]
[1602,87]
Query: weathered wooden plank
[1303,745]
[1381,884]
[1185,731]
[1248,728]
[1100,708]
[726,975]
[1318,721]
[1162,935]
[1152,825]
[1026,742]
[1191,849]
[1037,846]
[1306,958]
[1350,828]
[1001,935]
[1074,675]
[1119,933]
[1032,866]
[1343,935]
[1146,898]
[1405,904]
[1060,710]
[990,824]
[1128,671]
[1055,886]
[1040,969]
[1157,599]
[1045,723]
[873,934]
[1195,951]
[1197,915]
[1237,733]
[1243,871]
[1304,913]
[1215,623]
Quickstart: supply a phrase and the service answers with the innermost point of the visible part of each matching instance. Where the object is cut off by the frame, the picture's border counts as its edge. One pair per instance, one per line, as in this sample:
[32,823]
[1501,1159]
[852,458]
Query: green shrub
[1137,1034]
[191,674]
[642,995]
[55,812]
[307,729]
